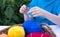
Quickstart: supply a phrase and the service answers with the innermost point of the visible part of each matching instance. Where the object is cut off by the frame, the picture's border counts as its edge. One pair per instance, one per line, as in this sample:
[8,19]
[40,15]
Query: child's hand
[47,29]
[37,11]
[23,9]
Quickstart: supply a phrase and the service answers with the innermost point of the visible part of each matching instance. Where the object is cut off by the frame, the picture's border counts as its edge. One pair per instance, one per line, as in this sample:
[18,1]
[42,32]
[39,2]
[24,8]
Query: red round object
[38,34]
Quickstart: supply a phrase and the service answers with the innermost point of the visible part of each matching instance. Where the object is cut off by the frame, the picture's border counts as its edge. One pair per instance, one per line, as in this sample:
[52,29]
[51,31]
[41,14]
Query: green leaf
[16,18]
[11,2]
[9,12]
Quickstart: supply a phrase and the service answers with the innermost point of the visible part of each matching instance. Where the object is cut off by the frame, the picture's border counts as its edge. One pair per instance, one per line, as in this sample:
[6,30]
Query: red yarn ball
[38,34]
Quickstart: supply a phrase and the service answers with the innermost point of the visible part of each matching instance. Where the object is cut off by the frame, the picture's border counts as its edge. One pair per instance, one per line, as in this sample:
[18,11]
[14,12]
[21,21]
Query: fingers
[48,27]
[49,30]
[35,14]
[36,11]
[22,9]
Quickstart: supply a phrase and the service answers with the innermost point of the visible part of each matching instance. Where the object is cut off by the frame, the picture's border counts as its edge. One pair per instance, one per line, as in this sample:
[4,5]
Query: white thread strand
[31,34]
[41,35]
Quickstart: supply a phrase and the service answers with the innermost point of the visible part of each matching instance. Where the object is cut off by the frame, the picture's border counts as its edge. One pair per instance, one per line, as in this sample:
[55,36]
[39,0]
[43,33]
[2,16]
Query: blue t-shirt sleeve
[58,7]
[58,10]
[32,3]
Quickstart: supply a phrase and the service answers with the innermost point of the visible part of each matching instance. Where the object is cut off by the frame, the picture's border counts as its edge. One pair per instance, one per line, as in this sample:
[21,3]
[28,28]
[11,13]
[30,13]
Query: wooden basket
[5,30]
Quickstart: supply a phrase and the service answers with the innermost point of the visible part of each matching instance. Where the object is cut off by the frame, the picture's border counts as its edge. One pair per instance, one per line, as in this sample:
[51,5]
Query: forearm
[26,17]
[55,19]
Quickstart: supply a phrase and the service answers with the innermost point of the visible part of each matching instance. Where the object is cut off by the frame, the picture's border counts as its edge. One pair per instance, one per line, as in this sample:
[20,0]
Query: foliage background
[9,11]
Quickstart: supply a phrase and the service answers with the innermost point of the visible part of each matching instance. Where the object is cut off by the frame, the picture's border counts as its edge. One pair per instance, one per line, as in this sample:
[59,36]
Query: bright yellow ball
[16,31]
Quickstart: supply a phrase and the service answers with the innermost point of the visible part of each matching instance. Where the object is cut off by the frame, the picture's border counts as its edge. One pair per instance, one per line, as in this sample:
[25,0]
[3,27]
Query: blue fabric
[30,26]
[53,6]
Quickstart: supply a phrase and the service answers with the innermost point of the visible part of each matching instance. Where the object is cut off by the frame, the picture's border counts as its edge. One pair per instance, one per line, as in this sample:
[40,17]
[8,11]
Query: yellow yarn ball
[16,31]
